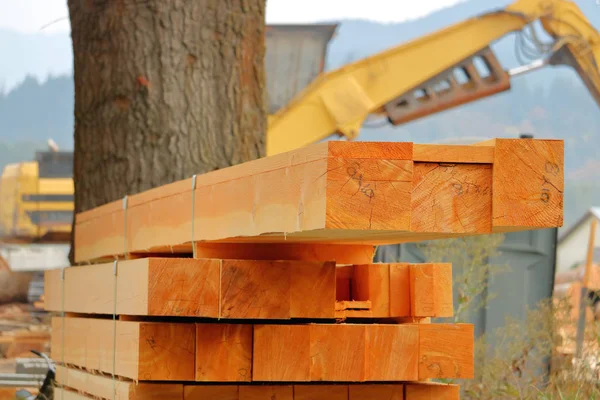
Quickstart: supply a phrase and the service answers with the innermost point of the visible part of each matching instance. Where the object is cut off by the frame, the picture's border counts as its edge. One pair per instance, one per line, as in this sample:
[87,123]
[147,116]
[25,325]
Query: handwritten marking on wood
[533,197]
[368,194]
[452,198]
[446,350]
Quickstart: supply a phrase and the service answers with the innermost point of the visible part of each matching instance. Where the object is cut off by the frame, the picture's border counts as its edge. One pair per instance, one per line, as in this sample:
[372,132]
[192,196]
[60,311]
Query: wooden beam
[528,184]
[141,350]
[247,289]
[452,198]
[338,193]
[185,287]
[432,391]
[223,353]
[340,253]
[103,386]
[93,385]
[431,290]
[453,153]
[446,351]
[388,392]
[405,290]
[356,352]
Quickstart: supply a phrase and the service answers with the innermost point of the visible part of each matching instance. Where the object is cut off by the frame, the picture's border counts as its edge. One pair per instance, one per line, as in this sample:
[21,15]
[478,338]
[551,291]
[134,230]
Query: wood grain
[94,385]
[247,289]
[321,392]
[337,353]
[340,253]
[452,198]
[446,350]
[266,393]
[281,353]
[528,184]
[184,287]
[375,392]
[103,386]
[223,353]
[432,391]
[143,350]
[431,290]
[453,153]
[362,352]
[206,392]
[332,193]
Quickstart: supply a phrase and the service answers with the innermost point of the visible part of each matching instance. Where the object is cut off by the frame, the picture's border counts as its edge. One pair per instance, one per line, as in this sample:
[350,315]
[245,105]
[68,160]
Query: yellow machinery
[447,68]
[36,199]
[439,71]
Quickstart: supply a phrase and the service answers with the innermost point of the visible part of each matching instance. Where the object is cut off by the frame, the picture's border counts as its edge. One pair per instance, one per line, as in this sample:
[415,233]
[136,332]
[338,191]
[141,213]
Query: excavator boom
[434,73]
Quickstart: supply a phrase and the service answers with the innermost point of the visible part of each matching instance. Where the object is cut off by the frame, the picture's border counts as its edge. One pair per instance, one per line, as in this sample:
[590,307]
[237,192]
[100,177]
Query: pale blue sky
[33,15]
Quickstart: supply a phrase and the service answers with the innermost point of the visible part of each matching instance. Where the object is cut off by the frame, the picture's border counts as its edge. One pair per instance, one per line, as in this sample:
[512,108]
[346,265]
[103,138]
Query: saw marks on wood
[218,352]
[250,289]
[142,350]
[338,193]
[528,183]
[452,198]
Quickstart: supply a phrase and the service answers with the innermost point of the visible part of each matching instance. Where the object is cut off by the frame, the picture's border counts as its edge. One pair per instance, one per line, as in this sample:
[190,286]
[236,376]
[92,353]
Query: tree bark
[164,90]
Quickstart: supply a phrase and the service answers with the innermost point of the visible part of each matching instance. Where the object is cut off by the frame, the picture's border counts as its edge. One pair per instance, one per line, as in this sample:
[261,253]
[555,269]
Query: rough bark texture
[14,286]
[164,90]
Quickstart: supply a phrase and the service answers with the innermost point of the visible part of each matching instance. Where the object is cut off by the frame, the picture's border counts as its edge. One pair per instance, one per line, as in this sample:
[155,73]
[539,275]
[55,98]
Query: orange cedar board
[177,221]
[372,282]
[281,353]
[431,290]
[357,352]
[250,289]
[399,290]
[446,350]
[192,288]
[332,193]
[432,391]
[144,350]
[390,352]
[453,153]
[376,392]
[452,198]
[337,352]
[528,184]
[223,353]
[102,386]
[405,290]
[211,392]
[321,392]
[266,393]
[340,253]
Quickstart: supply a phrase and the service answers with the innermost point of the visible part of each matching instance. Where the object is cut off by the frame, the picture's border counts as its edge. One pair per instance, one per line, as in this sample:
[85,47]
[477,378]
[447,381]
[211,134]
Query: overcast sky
[52,15]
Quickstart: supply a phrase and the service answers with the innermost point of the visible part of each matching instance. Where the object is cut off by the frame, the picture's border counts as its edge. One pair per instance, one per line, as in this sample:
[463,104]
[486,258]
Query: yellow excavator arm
[442,70]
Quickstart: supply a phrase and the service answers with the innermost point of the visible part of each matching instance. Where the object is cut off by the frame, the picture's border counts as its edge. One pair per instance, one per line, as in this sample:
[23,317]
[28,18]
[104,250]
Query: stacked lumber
[258,282]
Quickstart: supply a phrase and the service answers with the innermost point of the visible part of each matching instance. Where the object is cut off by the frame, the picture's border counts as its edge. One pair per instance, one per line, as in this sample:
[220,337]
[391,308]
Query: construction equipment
[439,71]
[37,198]
[442,70]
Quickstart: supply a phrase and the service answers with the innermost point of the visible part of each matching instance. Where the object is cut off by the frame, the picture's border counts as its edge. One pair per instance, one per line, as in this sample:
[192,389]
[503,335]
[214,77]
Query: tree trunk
[164,90]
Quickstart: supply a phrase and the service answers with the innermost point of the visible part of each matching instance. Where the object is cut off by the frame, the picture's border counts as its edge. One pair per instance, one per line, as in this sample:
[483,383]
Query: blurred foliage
[472,269]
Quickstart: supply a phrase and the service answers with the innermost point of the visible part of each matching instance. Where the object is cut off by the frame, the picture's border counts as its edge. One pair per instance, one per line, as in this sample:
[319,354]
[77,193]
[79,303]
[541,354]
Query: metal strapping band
[62,308]
[220,285]
[114,361]
[125,205]
[193,214]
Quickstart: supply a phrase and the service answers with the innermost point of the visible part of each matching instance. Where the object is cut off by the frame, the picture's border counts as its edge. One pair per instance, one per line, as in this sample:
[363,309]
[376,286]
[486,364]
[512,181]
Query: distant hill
[551,103]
